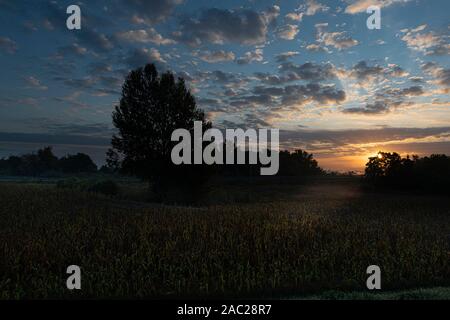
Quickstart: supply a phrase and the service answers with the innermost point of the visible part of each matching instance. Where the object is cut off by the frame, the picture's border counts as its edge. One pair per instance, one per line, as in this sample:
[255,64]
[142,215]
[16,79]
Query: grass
[438,293]
[305,243]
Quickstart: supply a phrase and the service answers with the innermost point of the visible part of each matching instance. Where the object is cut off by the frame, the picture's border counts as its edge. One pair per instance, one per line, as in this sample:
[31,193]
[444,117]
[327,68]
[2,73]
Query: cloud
[316,48]
[149,11]
[274,79]
[252,100]
[362,71]
[144,36]
[371,108]
[141,57]
[312,92]
[279,98]
[430,43]
[338,40]
[72,49]
[294,16]
[287,32]
[251,56]
[221,26]
[410,91]
[284,56]
[95,40]
[312,7]
[8,45]
[309,71]
[359,6]
[439,50]
[35,83]
[332,143]
[388,99]
[215,56]
[440,75]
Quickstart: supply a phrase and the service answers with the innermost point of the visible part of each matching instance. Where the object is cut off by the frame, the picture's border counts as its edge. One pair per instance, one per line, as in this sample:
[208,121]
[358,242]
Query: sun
[380,156]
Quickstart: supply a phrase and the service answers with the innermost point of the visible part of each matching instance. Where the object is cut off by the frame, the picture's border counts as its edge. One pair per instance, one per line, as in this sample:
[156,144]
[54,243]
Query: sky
[312,69]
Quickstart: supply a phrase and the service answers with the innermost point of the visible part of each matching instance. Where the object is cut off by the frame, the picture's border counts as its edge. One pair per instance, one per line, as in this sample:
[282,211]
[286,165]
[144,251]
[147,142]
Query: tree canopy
[152,106]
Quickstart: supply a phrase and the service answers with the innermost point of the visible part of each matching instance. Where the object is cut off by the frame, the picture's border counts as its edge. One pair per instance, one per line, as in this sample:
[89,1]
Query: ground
[242,239]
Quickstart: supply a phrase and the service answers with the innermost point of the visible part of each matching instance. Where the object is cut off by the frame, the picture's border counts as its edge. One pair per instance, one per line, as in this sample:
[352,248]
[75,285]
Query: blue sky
[310,68]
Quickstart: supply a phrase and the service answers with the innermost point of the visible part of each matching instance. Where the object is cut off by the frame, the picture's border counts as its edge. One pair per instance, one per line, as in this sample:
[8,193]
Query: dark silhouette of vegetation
[390,170]
[44,162]
[152,106]
[298,163]
[78,163]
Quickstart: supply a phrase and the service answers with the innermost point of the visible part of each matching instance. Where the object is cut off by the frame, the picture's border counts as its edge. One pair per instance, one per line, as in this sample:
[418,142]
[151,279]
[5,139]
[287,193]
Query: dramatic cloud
[227,26]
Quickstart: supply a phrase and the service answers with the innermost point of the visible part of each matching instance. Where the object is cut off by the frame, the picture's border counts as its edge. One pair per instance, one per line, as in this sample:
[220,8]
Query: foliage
[298,163]
[423,174]
[44,162]
[152,106]
[77,164]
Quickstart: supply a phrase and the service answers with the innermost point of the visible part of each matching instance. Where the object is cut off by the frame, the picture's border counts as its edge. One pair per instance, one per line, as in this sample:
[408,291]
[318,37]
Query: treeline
[390,170]
[291,164]
[44,163]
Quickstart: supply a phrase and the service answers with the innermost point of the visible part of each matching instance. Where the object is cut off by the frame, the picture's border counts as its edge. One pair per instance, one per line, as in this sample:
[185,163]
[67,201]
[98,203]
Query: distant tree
[152,106]
[382,167]
[79,163]
[427,173]
[47,161]
[298,163]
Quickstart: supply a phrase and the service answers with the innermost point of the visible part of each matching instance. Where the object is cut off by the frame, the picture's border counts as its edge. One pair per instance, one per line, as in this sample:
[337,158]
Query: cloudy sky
[310,68]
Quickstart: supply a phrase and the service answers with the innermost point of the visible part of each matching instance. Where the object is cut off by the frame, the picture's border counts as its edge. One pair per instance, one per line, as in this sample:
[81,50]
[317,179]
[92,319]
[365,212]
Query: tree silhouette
[44,163]
[152,106]
[298,163]
[414,173]
[79,163]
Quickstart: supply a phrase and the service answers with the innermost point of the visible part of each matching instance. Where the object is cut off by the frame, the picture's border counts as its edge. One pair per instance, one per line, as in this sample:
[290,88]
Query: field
[286,241]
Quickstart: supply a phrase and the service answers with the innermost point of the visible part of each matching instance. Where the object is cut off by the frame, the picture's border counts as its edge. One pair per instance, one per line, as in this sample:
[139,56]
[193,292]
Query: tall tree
[152,106]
